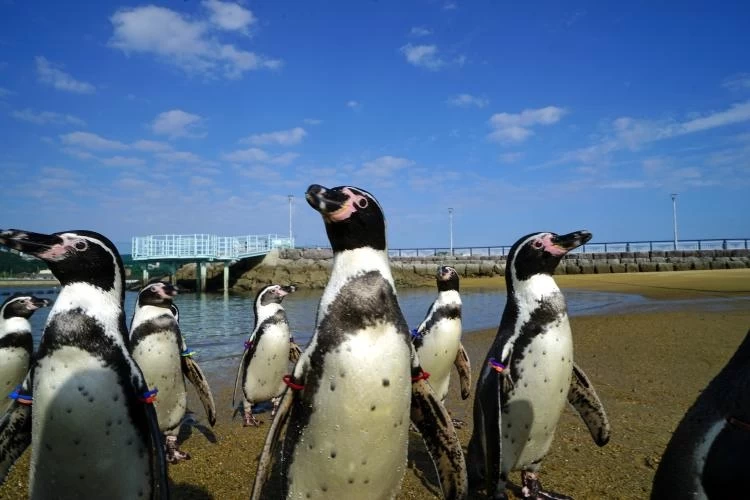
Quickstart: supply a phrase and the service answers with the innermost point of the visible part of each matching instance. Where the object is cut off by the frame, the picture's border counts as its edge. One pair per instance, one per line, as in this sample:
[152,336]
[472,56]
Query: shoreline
[647,368]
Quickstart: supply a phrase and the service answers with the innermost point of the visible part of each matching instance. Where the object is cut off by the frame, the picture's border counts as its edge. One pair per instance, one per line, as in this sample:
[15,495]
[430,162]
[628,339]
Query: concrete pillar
[226,276]
[145,276]
[200,277]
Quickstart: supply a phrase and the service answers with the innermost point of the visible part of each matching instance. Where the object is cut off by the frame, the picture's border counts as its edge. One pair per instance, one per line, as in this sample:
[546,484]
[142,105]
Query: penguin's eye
[153,289]
[80,245]
[362,203]
[537,244]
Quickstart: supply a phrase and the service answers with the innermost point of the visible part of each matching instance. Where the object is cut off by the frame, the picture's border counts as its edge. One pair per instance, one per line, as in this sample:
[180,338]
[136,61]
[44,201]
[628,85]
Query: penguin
[267,352]
[438,338]
[350,397]
[707,456]
[529,374]
[93,427]
[160,350]
[16,343]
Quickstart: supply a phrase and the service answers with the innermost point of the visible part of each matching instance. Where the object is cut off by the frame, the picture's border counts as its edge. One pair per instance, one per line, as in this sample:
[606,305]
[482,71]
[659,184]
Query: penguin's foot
[458,424]
[173,454]
[532,488]
[249,420]
[176,456]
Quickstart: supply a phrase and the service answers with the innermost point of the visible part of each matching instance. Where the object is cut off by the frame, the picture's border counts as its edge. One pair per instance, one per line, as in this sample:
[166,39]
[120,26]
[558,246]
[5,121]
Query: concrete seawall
[310,268]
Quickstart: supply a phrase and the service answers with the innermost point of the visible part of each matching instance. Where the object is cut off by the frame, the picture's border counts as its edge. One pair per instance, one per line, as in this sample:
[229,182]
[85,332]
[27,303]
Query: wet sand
[647,368]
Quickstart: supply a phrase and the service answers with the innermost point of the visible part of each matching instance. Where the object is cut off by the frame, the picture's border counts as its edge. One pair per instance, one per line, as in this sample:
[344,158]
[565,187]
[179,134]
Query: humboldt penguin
[529,374]
[93,427]
[708,455]
[352,392]
[267,354]
[16,343]
[438,338]
[160,350]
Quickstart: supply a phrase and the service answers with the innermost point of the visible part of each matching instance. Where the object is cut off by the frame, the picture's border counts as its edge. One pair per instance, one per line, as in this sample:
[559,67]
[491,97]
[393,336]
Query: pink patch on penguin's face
[550,247]
[354,202]
[70,244]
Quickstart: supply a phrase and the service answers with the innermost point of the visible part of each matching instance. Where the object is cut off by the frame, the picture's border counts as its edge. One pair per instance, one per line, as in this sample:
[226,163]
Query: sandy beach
[647,369]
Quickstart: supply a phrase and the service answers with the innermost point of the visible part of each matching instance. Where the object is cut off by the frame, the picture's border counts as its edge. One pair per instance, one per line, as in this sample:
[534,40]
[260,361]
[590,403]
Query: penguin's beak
[289,289]
[28,242]
[326,201]
[170,290]
[570,241]
[36,303]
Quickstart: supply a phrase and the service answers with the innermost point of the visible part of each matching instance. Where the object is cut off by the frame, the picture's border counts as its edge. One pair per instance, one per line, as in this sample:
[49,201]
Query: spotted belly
[538,397]
[83,439]
[263,378]
[14,363]
[356,440]
[159,360]
[438,352]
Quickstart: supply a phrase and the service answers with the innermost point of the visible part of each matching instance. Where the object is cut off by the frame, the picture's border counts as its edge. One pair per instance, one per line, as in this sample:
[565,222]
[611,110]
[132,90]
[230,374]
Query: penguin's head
[73,256]
[158,293]
[20,305]
[353,217]
[274,294]
[447,279]
[540,253]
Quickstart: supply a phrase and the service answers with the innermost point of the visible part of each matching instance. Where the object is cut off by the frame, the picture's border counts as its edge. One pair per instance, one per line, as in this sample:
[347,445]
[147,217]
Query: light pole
[674,217]
[291,240]
[450,219]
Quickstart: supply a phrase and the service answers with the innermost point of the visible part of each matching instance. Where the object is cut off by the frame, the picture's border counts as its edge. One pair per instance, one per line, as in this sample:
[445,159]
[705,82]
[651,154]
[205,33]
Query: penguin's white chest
[263,379]
[538,397]
[438,353]
[159,359]
[356,441]
[83,440]
[14,363]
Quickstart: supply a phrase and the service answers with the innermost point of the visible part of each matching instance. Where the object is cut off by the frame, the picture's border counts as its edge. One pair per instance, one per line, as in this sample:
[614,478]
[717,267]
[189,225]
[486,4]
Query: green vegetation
[13,265]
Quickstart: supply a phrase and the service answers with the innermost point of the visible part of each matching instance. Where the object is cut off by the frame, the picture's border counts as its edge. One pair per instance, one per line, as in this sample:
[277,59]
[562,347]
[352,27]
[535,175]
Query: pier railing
[205,246]
[613,246]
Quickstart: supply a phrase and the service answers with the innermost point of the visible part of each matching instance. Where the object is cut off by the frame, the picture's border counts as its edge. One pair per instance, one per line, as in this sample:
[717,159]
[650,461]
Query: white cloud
[258,156]
[510,157]
[281,137]
[198,180]
[151,146]
[516,127]
[420,31]
[423,56]
[353,104]
[468,100]
[740,81]
[229,16]
[122,161]
[189,44]
[449,6]
[176,123]
[385,166]
[51,75]
[5,93]
[179,157]
[87,140]
[45,117]
[312,121]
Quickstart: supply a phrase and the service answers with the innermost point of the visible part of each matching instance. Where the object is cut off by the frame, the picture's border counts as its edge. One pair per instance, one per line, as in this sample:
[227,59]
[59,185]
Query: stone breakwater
[310,268]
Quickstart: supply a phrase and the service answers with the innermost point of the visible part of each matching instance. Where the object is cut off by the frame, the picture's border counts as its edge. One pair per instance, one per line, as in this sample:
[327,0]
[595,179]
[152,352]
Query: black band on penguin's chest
[546,313]
[21,340]
[164,322]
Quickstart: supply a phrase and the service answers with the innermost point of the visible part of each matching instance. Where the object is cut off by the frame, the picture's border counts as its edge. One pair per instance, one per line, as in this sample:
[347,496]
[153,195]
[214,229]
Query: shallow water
[215,325]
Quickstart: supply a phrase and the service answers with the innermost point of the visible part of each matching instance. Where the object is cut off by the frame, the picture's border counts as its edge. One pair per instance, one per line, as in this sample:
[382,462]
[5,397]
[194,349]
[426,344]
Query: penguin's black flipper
[434,423]
[295,351]
[583,398]
[15,436]
[463,366]
[194,374]
[273,438]
[247,356]
[725,471]
[159,481]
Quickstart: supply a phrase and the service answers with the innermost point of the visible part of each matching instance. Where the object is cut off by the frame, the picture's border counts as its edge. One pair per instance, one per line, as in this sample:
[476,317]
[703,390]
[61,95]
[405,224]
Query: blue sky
[133,118]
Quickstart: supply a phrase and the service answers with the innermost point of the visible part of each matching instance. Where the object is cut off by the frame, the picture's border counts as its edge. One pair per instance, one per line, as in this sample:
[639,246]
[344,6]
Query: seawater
[215,325]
